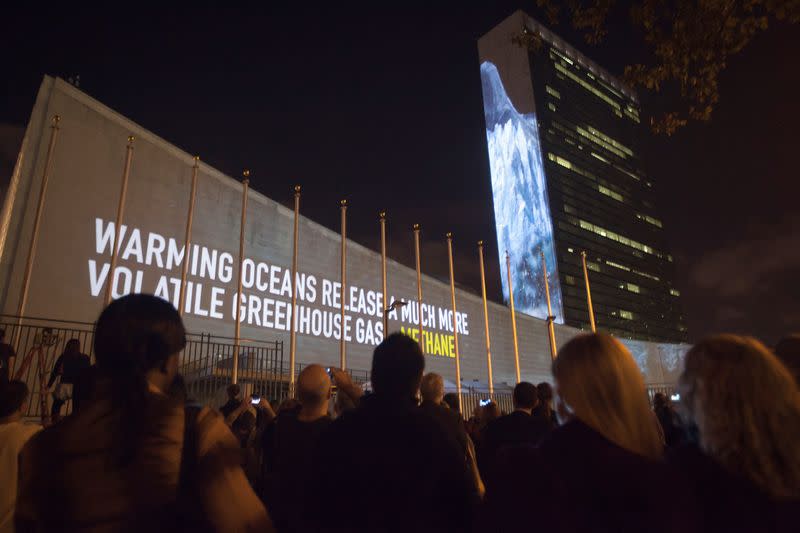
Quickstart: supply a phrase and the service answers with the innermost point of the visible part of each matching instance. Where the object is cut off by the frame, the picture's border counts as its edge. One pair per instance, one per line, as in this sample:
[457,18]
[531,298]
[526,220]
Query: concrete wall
[84,186]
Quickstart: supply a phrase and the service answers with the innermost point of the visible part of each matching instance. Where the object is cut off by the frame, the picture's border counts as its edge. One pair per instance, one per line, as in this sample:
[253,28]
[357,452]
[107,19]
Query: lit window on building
[610,140]
[650,220]
[570,280]
[617,265]
[598,140]
[632,288]
[631,174]
[560,160]
[616,237]
[552,92]
[610,89]
[646,275]
[632,113]
[551,106]
[593,266]
[601,158]
[608,192]
[675,292]
[627,315]
[562,56]
[566,163]
[586,85]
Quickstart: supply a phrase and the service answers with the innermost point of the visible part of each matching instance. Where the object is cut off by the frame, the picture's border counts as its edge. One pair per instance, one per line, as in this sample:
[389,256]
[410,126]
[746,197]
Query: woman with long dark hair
[133,458]
[69,369]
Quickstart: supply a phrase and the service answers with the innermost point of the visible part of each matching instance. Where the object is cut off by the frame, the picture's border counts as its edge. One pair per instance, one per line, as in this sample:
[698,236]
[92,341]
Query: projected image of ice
[521,208]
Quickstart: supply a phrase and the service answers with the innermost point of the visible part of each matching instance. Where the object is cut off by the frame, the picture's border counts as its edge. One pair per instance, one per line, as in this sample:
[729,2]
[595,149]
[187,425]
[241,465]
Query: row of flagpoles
[292,331]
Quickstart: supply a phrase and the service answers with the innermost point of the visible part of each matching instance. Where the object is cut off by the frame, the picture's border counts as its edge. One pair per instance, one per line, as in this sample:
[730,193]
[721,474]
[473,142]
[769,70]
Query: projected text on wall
[147,259]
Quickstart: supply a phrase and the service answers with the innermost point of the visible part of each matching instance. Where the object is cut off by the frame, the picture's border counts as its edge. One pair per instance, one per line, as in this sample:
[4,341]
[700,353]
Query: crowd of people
[588,453]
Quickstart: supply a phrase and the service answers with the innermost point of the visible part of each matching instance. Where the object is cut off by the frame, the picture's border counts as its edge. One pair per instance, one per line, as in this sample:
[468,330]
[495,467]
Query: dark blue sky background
[383,106]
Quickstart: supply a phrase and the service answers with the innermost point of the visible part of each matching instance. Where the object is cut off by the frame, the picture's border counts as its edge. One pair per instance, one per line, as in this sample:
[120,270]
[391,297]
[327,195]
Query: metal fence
[206,363]
[471,398]
[667,389]
[37,344]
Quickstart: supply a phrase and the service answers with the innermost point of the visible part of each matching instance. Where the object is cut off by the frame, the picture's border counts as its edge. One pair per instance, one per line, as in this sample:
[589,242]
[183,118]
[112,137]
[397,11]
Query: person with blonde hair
[744,469]
[601,470]
[599,383]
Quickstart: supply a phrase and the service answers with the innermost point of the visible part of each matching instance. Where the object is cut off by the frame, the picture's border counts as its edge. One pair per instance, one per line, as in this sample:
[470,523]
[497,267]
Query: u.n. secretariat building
[568,176]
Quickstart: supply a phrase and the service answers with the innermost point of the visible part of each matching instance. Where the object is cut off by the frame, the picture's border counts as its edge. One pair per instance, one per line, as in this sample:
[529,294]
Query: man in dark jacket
[432,392]
[516,428]
[386,465]
[293,440]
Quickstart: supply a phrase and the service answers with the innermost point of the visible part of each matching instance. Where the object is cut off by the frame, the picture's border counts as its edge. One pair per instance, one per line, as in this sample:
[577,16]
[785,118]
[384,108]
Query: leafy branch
[689,41]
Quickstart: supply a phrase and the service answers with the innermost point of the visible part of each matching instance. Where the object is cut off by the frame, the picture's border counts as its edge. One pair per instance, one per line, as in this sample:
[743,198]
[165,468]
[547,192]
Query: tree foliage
[689,43]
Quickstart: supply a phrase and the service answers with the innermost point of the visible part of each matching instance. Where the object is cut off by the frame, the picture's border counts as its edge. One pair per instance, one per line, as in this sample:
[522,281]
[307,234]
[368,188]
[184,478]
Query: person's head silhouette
[397,366]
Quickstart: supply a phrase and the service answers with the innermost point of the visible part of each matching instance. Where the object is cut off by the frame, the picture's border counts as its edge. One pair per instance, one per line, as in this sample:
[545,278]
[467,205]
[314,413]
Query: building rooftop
[536,27]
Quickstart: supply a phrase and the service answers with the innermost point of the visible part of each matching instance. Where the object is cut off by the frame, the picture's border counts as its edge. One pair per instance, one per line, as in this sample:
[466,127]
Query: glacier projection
[658,359]
[521,209]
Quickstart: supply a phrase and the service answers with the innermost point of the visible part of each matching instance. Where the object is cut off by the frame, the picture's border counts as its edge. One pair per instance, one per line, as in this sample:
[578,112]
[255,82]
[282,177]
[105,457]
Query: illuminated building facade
[564,150]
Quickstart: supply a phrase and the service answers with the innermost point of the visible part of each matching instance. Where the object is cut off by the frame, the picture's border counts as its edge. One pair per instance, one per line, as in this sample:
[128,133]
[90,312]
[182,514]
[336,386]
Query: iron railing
[665,388]
[206,363]
[38,343]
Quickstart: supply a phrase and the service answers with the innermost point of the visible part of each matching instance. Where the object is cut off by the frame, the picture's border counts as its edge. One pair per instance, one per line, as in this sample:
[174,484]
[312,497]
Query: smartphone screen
[255,400]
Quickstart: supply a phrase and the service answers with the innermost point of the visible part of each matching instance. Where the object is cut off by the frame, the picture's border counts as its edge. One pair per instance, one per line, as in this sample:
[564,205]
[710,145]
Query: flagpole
[455,330]
[37,221]
[550,318]
[513,316]
[293,320]
[342,342]
[187,242]
[486,321]
[419,285]
[385,305]
[237,311]
[123,193]
[588,292]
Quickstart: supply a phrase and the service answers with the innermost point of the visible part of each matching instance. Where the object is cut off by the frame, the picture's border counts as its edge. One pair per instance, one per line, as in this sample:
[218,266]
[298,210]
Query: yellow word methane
[434,343]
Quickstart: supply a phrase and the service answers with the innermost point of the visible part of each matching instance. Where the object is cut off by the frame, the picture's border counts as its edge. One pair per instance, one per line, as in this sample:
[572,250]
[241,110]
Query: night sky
[383,107]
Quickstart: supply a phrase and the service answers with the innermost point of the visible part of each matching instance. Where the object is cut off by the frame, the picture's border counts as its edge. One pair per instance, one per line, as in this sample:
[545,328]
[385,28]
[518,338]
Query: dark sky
[383,107]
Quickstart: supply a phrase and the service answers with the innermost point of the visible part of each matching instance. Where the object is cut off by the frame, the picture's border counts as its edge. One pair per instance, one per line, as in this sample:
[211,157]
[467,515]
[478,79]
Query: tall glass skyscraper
[568,176]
